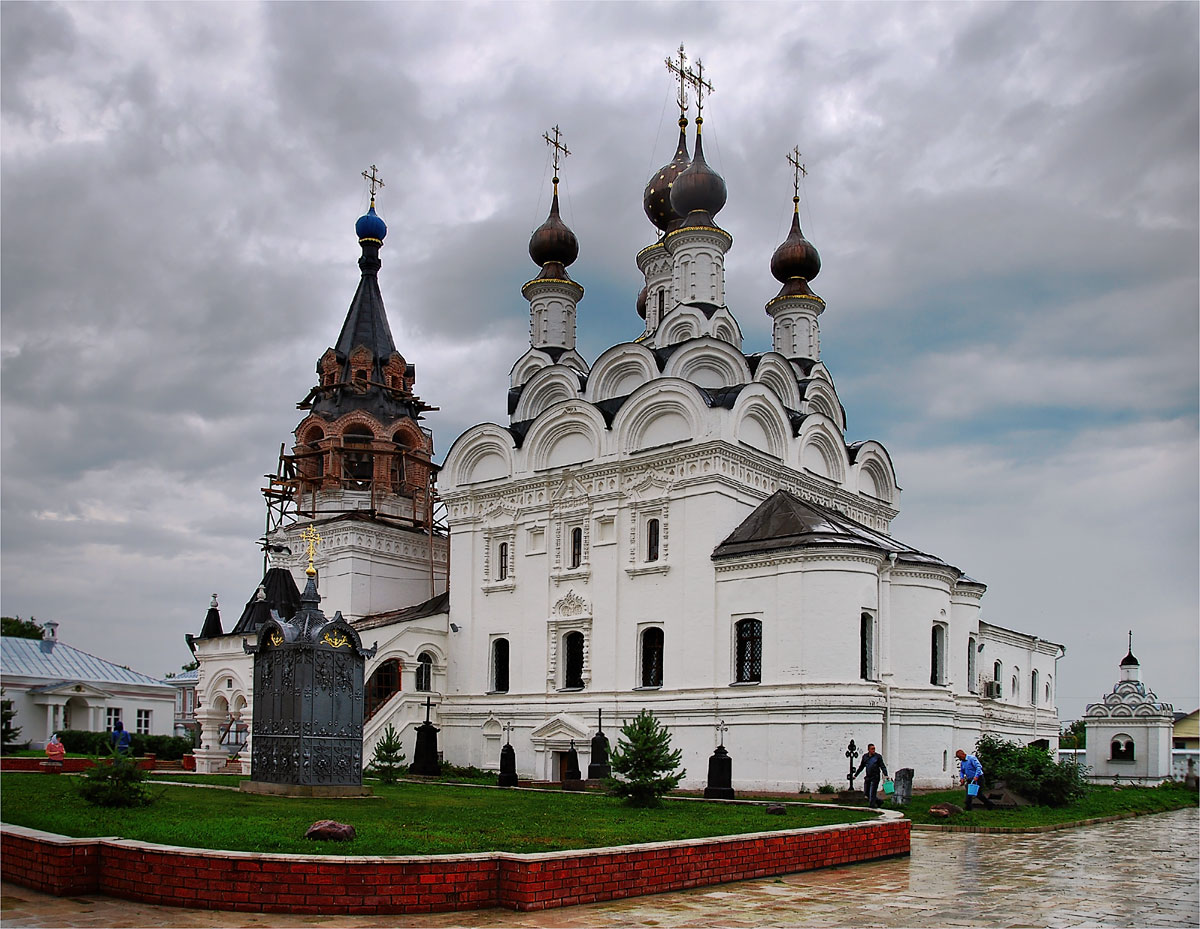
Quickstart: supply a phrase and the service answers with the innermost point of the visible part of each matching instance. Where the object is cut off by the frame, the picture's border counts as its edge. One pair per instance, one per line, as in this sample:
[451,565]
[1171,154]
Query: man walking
[970,771]
[872,761]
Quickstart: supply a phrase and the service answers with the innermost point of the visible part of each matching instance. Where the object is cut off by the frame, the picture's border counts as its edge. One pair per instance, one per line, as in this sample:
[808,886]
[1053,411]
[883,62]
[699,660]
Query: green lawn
[1099,802]
[404,819]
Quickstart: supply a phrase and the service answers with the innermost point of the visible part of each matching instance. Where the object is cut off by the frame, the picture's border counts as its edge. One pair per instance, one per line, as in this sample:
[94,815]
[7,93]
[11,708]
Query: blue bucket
[972,790]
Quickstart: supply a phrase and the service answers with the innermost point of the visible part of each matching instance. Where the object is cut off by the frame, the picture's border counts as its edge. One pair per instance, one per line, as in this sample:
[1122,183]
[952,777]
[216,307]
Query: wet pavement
[1136,872]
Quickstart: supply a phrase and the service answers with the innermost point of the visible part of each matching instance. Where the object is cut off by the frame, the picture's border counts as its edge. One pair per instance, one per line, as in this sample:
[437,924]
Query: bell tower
[361,465]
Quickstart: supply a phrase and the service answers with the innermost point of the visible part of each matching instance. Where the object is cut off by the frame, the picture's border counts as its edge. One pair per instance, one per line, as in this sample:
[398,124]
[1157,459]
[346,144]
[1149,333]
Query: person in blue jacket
[120,737]
[970,771]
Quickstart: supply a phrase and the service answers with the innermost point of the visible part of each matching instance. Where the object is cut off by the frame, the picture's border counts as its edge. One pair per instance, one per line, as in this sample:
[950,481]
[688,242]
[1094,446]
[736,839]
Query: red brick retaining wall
[206,879]
[69,765]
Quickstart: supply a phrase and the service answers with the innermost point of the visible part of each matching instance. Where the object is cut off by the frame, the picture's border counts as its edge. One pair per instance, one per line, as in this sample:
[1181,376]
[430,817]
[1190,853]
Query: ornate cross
[428,707]
[312,539]
[375,181]
[680,71]
[721,730]
[696,79]
[798,171]
[559,148]
[508,728]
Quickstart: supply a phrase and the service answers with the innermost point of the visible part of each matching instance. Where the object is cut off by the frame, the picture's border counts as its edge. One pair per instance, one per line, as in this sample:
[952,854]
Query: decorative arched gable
[760,421]
[620,371]
[482,453]
[775,373]
[528,365]
[660,413]
[821,449]
[547,387]
[567,434]
[821,398]
[708,362]
[873,474]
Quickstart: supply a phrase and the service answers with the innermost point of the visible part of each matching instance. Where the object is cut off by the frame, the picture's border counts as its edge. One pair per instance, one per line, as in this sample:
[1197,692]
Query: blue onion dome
[656,200]
[698,187]
[796,257]
[641,301]
[370,227]
[553,240]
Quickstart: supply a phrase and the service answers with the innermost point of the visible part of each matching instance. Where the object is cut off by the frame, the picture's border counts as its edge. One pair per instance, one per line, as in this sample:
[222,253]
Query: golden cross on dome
[680,71]
[312,539]
[798,171]
[374,180]
[696,79]
[558,147]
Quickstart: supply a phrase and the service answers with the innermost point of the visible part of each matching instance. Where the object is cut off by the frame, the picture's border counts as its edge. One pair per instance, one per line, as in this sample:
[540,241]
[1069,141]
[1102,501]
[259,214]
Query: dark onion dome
[1129,661]
[641,301]
[698,187]
[370,227]
[796,257]
[553,240]
[656,200]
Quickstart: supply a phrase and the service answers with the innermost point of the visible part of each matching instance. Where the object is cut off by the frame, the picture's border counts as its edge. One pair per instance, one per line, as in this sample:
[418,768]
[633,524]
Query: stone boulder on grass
[330,830]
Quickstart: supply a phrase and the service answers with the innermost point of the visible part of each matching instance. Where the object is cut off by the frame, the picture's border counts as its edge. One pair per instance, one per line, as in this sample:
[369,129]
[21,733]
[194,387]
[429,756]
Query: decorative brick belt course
[326,884]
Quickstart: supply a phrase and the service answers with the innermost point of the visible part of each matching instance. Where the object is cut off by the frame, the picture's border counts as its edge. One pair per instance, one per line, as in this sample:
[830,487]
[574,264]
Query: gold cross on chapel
[374,180]
[312,539]
[696,79]
[559,148]
[680,71]
[798,171]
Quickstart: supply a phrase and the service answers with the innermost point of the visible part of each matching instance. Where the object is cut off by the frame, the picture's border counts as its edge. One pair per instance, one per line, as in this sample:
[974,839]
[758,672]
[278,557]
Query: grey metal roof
[56,661]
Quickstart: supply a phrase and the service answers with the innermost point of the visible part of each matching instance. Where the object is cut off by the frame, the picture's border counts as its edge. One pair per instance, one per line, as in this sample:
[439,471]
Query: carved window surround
[640,515]
[492,540]
[571,613]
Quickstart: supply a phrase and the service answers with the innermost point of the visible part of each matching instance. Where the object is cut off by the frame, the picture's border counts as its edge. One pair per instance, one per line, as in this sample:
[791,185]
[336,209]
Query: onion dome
[698,187]
[1129,661]
[553,240]
[641,301]
[656,200]
[370,228]
[796,257]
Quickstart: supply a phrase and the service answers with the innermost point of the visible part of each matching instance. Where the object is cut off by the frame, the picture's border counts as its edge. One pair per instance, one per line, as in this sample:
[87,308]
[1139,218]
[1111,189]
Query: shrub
[387,763]
[114,781]
[826,788]
[1031,771]
[644,759]
[8,732]
[164,747]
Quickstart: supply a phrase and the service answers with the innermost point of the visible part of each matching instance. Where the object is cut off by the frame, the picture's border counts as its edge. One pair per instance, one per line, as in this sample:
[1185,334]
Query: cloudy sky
[1004,198]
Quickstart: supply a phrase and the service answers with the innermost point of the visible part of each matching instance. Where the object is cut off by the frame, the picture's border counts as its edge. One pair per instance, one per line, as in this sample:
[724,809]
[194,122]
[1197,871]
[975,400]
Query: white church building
[681,524]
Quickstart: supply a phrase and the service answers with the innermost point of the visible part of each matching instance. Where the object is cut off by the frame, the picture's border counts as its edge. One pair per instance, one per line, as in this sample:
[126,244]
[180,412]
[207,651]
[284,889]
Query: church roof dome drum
[656,199]
[370,227]
[698,187]
[796,256]
[553,240]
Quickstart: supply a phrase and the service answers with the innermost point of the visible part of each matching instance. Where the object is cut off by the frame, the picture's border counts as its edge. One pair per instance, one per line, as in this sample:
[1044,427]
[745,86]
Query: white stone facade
[1129,732]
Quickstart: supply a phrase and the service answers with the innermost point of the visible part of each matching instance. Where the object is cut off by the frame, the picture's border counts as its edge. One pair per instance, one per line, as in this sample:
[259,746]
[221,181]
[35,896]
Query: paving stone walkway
[1136,872]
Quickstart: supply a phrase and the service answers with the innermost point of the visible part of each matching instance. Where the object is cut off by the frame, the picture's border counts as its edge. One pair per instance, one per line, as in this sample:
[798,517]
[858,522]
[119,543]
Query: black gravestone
[572,777]
[508,766]
[598,766]
[425,758]
[307,723]
[720,776]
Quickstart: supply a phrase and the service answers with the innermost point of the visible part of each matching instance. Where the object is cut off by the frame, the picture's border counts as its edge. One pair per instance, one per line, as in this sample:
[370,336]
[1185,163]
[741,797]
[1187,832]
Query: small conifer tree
[388,760]
[8,732]
[116,781]
[645,761]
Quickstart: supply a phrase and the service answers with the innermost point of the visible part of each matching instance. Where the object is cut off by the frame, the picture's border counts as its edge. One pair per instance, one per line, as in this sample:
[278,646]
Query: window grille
[749,651]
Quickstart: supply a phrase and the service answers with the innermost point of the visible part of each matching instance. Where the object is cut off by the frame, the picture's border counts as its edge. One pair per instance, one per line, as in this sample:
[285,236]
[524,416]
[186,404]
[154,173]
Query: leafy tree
[1031,771]
[388,761]
[15,627]
[190,666]
[8,732]
[643,758]
[115,781]
[1074,735]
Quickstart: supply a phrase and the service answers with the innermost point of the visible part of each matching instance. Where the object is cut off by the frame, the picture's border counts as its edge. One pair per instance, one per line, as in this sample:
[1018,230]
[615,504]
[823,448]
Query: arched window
[358,462]
[1122,748]
[652,657]
[1033,688]
[937,654]
[866,647]
[576,547]
[502,561]
[1016,684]
[383,683]
[573,661]
[424,672]
[972,673]
[662,302]
[748,637]
[500,666]
[1048,700]
[652,540]
[998,678]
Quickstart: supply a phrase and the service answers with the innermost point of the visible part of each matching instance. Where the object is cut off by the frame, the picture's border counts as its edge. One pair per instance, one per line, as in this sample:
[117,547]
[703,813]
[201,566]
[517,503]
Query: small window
[748,636]
[652,540]
[998,676]
[573,661]
[424,672]
[143,722]
[866,647]
[937,655]
[662,302]
[1016,685]
[500,666]
[576,547]
[652,657]
[972,673]
[1122,749]
[112,716]
[1033,688]
[502,561]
